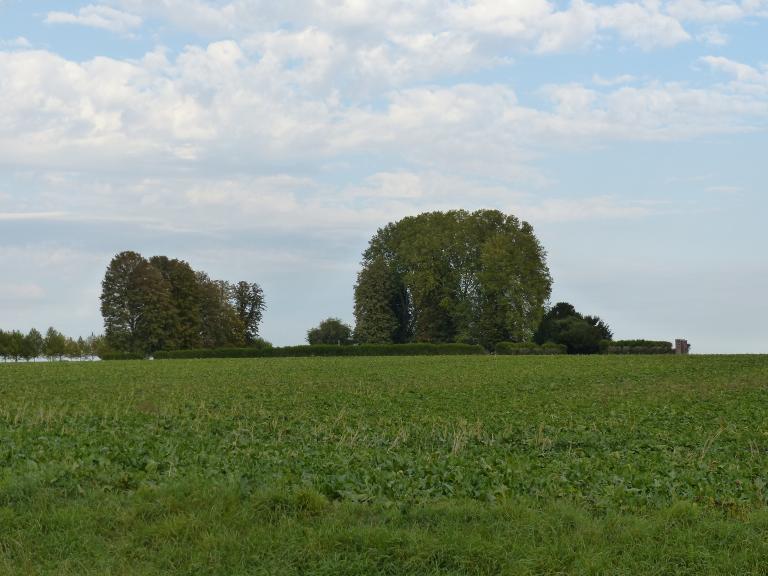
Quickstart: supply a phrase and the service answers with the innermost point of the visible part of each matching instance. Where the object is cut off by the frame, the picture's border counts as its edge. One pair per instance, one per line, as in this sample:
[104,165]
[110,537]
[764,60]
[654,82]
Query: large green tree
[452,276]
[162,304]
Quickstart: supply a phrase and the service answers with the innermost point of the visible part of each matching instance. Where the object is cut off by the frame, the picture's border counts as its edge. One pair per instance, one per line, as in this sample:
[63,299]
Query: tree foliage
[163,304]
[330,331]
[455,276]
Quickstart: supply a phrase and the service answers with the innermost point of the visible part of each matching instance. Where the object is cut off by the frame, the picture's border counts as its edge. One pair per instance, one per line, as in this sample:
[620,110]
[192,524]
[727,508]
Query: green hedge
[636,347]
[327,350]
[121,356]
[529,348]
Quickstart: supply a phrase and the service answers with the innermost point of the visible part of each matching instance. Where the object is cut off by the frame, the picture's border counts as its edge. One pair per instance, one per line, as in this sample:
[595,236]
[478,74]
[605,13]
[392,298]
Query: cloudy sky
[267,141]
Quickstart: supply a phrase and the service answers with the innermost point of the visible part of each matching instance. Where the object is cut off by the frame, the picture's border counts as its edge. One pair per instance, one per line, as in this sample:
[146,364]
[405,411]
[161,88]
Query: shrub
[121,356]
[636,347]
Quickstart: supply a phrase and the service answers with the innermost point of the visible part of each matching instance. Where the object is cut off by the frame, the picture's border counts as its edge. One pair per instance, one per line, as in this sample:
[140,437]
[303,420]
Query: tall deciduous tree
[452,276]
[186,327]
[136,305]
[120,306]
[381,304]
[248,300]
[221,325]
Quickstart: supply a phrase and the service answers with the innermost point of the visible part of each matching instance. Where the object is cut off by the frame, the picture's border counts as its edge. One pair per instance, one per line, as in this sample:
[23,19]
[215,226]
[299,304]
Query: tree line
[163,304]
[15,346]
[440,277]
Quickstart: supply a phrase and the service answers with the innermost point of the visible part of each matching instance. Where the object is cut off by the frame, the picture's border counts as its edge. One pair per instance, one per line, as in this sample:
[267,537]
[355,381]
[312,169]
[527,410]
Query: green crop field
[424,465]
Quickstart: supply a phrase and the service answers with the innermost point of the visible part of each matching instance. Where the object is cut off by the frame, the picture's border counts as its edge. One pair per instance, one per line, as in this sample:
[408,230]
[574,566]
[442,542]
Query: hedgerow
[121,356]
[421,349]
[529,348]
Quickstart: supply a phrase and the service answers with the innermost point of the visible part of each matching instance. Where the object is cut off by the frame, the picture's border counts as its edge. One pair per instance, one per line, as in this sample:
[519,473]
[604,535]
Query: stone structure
[682,346]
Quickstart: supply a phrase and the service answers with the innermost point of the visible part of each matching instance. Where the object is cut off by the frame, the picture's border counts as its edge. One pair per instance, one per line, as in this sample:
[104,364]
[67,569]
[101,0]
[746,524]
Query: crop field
[423,465]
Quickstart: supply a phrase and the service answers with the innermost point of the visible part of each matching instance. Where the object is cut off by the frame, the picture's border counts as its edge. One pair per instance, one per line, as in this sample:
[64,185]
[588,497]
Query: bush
[529,348]
[424,349]
[636,347]
[260,343]
[330,331]
[121,356]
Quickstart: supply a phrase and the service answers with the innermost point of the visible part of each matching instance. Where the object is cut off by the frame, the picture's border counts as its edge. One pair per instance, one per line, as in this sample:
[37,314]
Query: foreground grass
[197,528]
[391,465]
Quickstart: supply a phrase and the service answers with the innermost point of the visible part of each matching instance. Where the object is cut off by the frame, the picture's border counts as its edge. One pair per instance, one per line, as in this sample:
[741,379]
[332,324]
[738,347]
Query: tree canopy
[163,304]
[456,276]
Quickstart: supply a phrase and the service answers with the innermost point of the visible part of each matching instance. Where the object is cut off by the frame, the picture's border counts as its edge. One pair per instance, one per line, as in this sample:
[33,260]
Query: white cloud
[593,208]
[741,72]
[532,25]
[707,10]
[19,42]
[220,107]
[643,23]
[614,81]
[97,16]
[21,216]
[712,36]
[725,189]
[716,11]
[13,292]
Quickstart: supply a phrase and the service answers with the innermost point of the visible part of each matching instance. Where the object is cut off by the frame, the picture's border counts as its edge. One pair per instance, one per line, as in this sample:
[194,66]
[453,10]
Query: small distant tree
[15,345]
[33,345]
[55,344]
[4,345]
[98,345]
[330,331]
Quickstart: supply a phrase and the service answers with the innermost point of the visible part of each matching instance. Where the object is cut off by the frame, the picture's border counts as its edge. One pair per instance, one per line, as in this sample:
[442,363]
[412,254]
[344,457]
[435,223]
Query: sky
[268,141]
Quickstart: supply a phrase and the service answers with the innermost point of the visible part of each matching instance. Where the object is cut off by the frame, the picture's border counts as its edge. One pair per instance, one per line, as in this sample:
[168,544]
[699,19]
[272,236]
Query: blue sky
[268,141]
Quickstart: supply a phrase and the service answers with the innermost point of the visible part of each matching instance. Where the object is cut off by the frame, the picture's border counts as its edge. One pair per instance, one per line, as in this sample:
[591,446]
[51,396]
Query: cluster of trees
[456,276]
[580,334]
[15,345]
[439,277]
[163,304]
